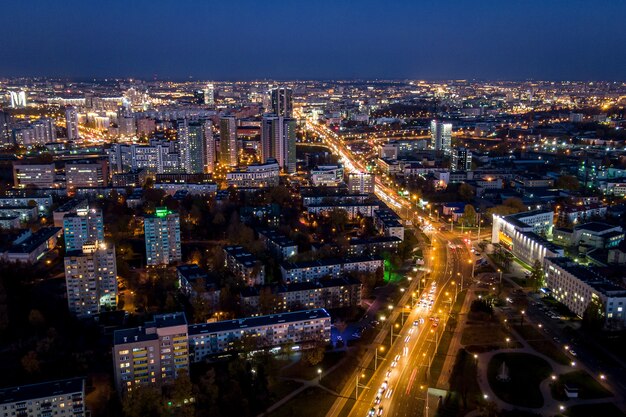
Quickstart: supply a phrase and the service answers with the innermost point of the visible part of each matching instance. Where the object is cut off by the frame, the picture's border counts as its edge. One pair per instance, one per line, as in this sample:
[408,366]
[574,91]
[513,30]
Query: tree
[536,276]
[567,182]
[338,218]
[314,355]
[469,215]
[208,394]
[466,192]
[181,399]
[267,301]
[593,316]
[30,362]
[143,401]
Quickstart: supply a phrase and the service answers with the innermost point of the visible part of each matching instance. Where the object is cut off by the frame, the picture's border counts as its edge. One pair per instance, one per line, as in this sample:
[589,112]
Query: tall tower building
[228,141]
[282,101]
[84,226]
[209,151]
[162,234]
[209,95]
[18,99]
[91,279]
[192,146]
[5,137]
[71,123]
[441,136]
[278,141]
[461,159]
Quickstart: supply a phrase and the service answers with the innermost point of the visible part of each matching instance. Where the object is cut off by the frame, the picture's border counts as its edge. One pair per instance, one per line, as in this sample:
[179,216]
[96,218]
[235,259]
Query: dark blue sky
[237,39]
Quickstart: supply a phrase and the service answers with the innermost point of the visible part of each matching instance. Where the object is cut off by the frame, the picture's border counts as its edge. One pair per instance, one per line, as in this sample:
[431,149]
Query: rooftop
[42,390]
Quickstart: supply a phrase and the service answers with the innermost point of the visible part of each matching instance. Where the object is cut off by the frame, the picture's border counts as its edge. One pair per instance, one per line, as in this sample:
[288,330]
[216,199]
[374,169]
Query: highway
[404,385]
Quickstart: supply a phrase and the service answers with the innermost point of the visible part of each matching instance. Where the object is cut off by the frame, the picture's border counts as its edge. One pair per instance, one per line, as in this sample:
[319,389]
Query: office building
[461,160]
[162,235]
[152,354]
[36,175]
[82,226]
[327,175]
[441,136]
[18,99]
[282,101]
[255,175]
[300,328]
[361,183]
[71,123]
[91,279]
[197,149]
[278,141]
[86,174]
[64,398]
[576,286]
[209,95]
[228,141]
[593,235]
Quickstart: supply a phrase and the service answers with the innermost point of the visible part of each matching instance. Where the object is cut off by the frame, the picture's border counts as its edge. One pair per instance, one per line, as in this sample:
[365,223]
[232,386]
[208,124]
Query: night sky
[237,39]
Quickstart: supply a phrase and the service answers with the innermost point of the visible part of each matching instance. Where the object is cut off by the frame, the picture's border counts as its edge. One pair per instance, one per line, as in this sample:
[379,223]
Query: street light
[382,349]
[500,271]
[319,373]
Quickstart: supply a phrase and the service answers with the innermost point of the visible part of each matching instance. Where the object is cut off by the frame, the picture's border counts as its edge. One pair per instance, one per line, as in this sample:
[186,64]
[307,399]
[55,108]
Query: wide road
[414,346]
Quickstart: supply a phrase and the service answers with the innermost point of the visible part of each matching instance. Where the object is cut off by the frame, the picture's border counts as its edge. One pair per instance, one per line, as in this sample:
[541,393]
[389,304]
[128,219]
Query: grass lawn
[312,402]
[594,410]
[486,337]
[282,387]
[529,333]
[303,370]
[526,373]
[465,394]
[589,388]
[552,351]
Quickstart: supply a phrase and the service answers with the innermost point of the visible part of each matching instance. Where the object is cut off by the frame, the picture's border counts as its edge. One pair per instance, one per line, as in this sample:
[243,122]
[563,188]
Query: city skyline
[402,40]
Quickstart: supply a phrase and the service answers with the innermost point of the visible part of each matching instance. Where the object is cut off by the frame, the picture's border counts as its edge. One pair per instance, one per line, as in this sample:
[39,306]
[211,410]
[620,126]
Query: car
[573,352]
[407,339]
[388,374]
[377,399]
[397,358]
[380,410]
[394,364]
[416,323]
[385,384]
[372,412]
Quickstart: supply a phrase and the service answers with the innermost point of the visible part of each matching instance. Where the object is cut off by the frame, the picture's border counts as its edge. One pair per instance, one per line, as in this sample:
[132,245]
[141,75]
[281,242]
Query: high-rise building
[197,148]
[441,136]
[209,95]
[361,183]
[198,96]
[162,234]
[91,279]
[228,141]
[5,137]
[84,226]
[461,159]
[278,141]
[282,101]
[18,99]
[71,123]
[153,354]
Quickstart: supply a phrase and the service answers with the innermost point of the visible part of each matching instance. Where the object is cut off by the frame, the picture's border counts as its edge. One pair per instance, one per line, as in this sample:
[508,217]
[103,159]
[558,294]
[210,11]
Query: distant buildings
[82,226]
[158,157]
[461,159]
[282,101]
[197,147]
[64,398]
[361,183]
[441,136]
[18,99]
[71,123]
[228,141]
[152,354]
[162,235]
[209,95]
[278,141]
[91,279]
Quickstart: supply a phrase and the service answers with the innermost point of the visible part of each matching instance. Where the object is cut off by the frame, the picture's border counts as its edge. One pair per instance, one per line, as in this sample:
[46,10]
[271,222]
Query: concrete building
[228,141]
[333,268]
[86,173]
[388,223]
[158,157]
[461,159]
[280,246]
[197,146]
[244,265]
[282,101]
[581,213]
[300,328]
[64,398]
[327,175]
[361,183]
[162,235]
[71,123]
[82,225]
[593,235]
[37,175]
[151,355]
[521,234]
[91,279]
[256,175]
[278,141]
[29,247]
[441,136]
[352,209]
[576,286]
